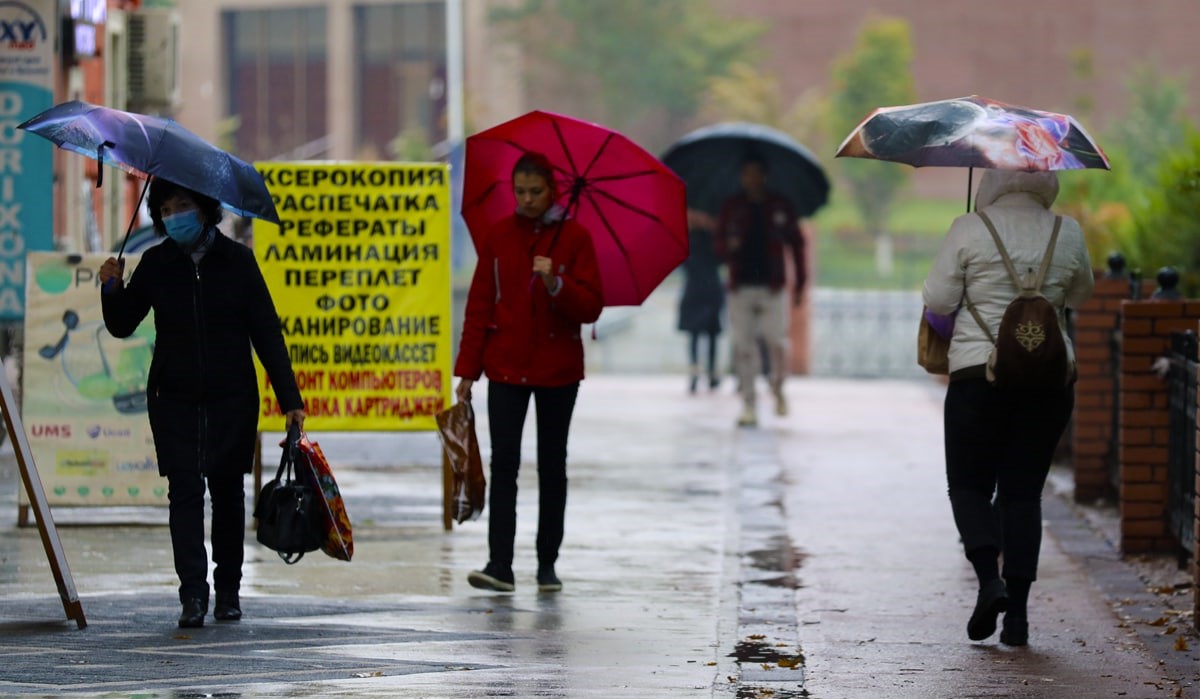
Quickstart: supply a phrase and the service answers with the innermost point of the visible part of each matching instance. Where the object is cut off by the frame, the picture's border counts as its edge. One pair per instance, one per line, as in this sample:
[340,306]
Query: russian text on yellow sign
[359,270]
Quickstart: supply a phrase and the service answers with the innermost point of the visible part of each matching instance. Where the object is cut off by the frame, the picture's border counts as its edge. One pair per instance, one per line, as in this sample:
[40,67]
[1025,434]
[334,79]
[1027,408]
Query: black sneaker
[492,577]
[547,580]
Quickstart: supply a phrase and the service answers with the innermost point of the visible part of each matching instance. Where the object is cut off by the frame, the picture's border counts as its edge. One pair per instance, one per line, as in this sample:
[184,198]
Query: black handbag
[287,510]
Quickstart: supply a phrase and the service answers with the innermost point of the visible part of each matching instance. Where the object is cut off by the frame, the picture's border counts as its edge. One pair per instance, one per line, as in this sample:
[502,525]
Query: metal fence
[869,334]
[1181,464]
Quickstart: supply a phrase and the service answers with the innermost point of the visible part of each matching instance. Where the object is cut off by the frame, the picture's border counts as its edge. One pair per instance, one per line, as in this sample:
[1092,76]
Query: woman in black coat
[703,297]
[211,307]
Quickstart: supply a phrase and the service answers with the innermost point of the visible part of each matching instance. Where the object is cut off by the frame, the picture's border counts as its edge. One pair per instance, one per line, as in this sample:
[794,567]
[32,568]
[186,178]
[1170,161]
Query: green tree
[748,94]
[877,72]
[1107,204]
[1167,230]
[644,57]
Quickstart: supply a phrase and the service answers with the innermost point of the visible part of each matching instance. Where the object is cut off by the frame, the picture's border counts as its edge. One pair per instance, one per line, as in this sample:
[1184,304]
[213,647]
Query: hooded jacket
[516,331]
[1018,203]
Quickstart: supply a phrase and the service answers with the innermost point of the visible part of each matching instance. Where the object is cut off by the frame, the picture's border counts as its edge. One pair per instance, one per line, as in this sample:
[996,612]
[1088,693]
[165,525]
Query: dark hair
[535,164]
[753,158]
[161,190]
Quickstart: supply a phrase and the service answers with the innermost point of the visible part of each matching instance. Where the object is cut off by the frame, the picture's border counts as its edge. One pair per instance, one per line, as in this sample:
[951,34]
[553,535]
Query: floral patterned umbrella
[974,132]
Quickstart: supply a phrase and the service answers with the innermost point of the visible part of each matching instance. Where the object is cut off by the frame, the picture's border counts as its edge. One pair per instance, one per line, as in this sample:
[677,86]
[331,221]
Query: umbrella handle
[108,285]
[572,204]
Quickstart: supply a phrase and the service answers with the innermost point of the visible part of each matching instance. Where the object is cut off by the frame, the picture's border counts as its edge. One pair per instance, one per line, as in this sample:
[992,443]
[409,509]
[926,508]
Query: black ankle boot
[992,600]
[192,615]
[228,608]
[1015,631]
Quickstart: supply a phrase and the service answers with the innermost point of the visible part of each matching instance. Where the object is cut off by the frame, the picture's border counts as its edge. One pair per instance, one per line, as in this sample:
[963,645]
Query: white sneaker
[748,418]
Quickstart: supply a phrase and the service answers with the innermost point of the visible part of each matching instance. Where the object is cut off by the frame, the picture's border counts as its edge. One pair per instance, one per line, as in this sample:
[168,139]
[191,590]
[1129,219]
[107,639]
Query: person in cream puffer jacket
[1019,205]
[999,444]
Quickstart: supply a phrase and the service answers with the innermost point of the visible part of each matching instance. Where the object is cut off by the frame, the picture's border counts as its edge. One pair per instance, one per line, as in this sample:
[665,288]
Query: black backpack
[1029,353]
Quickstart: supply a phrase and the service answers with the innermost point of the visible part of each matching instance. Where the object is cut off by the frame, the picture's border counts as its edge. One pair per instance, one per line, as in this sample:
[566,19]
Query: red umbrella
[633,205]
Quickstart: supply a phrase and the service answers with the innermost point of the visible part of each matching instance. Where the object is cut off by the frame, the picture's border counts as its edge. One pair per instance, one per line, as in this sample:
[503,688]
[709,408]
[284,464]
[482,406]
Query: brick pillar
[1145,421]
[1096,390]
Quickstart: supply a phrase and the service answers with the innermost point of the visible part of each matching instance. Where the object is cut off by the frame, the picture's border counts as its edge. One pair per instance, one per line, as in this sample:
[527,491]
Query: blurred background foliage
[668,66]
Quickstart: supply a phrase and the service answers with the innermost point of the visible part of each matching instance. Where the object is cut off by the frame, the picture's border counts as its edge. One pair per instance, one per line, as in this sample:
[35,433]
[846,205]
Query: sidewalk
[815,556]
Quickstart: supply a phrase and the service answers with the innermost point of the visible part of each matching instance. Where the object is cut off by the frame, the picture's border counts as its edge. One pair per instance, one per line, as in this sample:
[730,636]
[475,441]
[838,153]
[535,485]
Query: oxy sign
[27,35]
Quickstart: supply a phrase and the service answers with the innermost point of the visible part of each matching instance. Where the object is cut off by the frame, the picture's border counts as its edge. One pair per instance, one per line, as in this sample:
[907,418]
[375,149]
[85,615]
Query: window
[401,89]
[276,80]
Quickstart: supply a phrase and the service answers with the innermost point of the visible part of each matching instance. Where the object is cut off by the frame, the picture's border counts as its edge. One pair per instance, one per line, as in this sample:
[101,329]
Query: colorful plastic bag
[456,427]
[337,540]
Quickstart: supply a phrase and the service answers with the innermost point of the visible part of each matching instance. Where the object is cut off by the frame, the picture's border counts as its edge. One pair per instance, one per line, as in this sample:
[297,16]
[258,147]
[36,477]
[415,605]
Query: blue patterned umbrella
[150,146]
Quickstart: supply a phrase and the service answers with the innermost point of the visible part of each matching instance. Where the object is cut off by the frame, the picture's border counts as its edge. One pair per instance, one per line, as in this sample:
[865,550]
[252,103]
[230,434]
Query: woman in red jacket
[535,284]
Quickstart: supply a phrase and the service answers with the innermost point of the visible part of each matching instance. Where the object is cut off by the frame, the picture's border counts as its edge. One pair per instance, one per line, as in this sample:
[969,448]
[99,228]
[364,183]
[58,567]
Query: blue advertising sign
[27,35]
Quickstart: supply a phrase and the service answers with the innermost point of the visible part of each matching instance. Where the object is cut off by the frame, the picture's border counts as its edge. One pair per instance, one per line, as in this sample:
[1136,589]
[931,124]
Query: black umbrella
[709,160]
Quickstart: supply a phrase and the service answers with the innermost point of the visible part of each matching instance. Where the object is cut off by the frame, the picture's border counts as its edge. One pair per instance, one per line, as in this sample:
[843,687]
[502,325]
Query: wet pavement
[815,556]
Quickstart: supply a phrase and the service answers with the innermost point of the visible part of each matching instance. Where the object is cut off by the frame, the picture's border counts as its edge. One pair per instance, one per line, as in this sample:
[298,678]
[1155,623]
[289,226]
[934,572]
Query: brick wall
[1095,391]
[1144,421]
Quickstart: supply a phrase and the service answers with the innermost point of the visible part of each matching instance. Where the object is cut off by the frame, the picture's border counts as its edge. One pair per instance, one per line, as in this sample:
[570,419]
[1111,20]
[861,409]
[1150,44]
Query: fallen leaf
[377,673]
[1181,643]
[1170,630]
[1161,621]
[711,664]
[182,637]
[756,637]
[768,666]
[789,662]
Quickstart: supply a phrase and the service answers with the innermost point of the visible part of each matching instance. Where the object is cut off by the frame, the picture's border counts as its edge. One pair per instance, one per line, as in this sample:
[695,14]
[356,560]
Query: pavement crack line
[767,649]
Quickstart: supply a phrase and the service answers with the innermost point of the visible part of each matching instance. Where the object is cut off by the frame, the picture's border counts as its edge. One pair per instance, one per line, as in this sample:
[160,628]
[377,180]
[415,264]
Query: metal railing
[1181,459]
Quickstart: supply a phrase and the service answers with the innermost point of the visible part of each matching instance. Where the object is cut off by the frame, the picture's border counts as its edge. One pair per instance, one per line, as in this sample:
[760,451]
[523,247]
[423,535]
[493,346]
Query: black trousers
[507,406]
[999,448]
[185,494]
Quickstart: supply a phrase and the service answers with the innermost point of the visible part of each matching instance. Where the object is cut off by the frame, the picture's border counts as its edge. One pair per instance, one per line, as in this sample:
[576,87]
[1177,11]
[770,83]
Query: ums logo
[21,28]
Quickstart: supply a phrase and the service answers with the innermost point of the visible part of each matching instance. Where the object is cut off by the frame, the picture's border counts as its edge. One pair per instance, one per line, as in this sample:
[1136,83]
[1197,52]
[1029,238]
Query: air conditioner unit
[153,65]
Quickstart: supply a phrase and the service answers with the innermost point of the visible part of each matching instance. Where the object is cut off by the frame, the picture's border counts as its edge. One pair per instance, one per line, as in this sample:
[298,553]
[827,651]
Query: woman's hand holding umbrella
[544,268]
[112,274]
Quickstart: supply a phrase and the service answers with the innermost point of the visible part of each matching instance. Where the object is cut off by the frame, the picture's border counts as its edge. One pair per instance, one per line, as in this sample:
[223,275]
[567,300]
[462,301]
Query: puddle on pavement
[771,693]
[782,558]
[758,651]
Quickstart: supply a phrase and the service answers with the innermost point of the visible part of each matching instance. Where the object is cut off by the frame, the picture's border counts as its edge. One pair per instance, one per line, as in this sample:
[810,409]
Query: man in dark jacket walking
[754,228]
[211,307]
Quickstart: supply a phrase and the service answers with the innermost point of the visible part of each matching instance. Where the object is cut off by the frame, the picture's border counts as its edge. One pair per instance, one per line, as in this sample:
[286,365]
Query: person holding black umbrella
[753,229]
[211,307]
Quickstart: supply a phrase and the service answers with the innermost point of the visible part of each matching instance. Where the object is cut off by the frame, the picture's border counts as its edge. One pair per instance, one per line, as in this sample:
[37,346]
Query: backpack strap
[1008,263]
[978,318]
[1037,289]
[1012,271]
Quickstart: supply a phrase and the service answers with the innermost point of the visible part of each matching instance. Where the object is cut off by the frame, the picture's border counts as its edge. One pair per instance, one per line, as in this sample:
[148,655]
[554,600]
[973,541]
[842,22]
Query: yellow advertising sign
[359,270]
[84,399]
